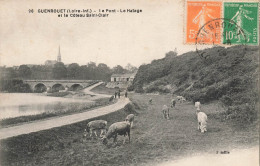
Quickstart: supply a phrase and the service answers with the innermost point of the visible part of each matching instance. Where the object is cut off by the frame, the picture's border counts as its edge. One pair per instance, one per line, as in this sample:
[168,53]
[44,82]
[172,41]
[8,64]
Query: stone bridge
[57,85]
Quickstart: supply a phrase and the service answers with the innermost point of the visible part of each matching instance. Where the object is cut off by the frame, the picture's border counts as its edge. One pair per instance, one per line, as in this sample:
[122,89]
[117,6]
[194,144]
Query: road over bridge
[57,85]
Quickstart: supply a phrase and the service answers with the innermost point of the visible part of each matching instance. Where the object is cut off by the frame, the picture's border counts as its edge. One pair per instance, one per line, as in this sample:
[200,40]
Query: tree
[92,65]
[171,54]
[24,71]
[92,70]
[59,71]
[84,72]
[118,69]
[73,71]
[131,68]
[103,72]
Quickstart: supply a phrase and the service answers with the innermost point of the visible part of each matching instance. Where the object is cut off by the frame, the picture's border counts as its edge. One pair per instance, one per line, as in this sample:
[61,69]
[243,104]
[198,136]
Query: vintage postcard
[144,83]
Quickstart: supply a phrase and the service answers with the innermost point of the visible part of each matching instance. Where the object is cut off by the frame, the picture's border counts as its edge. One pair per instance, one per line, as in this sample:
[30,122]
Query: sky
[119,39]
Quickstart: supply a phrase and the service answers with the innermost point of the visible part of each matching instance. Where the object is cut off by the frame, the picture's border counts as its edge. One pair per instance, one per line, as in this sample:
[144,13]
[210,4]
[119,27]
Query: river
[23,104]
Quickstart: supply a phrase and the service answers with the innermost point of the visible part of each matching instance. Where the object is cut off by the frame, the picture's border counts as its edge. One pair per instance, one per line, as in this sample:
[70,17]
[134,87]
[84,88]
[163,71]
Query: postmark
[215,30]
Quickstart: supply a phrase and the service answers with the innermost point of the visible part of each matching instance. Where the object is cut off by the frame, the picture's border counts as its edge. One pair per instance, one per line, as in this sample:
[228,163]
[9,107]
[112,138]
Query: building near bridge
[121,80]
[123,77]
[53,62]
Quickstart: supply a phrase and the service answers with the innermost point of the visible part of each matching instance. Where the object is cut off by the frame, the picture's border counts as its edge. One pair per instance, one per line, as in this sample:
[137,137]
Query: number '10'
[229,35]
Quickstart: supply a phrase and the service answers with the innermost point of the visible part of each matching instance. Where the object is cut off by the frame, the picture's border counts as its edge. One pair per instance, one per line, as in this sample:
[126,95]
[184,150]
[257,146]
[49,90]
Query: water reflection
[18,104]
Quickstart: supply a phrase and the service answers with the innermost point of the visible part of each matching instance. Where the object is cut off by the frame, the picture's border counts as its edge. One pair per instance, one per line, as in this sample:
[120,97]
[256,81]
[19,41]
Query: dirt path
[96,95]
[64,120]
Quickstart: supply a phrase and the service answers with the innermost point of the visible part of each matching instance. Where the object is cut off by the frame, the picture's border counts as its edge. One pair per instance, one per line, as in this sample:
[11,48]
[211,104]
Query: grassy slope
[153,140]
[228,74]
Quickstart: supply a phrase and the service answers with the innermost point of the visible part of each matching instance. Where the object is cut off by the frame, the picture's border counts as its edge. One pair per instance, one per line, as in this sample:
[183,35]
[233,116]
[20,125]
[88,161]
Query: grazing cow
[202,121]
[130,118]
[118,128]
[165,111]
[173,103]
[95,125]
[197,105]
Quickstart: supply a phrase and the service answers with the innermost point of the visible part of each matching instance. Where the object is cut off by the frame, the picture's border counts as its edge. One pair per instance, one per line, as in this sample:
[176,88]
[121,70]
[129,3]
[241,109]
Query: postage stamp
[221,23]
[245,15]
[198,14]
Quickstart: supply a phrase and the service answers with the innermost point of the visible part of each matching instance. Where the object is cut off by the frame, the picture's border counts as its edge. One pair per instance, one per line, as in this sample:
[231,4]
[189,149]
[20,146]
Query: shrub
[130,108]
[130,88]
[226,100]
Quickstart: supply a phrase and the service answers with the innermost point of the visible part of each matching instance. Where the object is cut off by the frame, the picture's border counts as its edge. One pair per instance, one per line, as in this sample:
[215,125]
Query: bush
[139,89]
[130,88]
[131,108]
[14,85]
[226,100]
[243,114]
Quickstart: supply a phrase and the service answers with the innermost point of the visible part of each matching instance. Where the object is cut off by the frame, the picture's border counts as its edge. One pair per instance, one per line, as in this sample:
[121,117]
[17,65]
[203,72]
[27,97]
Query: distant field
[153,139]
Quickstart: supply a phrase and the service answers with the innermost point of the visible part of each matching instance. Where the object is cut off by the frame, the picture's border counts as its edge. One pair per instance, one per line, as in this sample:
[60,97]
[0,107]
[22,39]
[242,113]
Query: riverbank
[61,110]
[154,140]
[74,102]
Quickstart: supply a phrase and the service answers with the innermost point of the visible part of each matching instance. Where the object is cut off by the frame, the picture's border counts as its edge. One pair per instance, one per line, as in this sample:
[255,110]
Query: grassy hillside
[227,74]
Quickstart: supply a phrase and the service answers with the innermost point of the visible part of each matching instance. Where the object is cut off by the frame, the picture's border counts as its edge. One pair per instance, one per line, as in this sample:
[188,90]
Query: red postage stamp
[198,14]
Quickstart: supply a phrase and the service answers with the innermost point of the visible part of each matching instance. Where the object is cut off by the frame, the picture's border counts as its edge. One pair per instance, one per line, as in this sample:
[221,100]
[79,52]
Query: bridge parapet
[52,84]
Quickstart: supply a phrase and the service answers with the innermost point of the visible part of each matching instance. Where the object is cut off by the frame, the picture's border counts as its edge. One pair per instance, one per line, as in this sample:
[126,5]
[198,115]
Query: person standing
[115,94]
[118,93]
[126,94]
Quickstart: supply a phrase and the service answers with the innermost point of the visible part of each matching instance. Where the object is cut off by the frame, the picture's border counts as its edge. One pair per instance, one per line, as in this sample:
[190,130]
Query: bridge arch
[39,88]
[76,87]
[57,87]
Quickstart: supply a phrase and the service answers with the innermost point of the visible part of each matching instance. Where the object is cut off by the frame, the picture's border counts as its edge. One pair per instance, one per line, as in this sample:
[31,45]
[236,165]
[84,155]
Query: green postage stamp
[245,15]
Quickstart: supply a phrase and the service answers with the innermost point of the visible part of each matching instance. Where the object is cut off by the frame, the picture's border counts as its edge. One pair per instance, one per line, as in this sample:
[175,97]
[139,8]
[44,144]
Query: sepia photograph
[136,83]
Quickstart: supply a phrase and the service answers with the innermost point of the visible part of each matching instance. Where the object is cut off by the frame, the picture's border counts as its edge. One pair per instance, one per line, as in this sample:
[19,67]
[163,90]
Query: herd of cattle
[123,128]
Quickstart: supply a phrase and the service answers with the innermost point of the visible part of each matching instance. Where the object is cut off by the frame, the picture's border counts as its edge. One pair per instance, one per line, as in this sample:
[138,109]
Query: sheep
[173,103]
[95,125]
[130,119]
[202,121]
[165,111]
[197,105]
[180,99]
[111,98]
[118,128]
